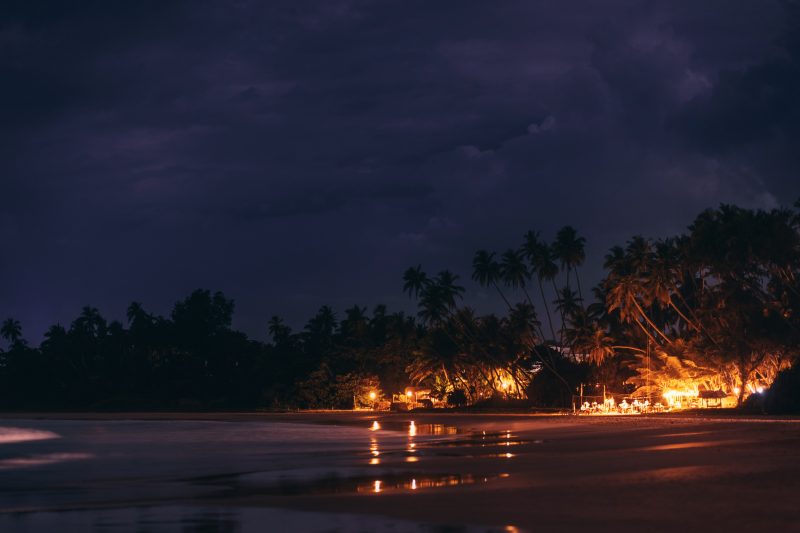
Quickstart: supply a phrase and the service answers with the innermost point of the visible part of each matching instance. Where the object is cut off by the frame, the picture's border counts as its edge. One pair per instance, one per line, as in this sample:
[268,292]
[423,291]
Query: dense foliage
[716,308]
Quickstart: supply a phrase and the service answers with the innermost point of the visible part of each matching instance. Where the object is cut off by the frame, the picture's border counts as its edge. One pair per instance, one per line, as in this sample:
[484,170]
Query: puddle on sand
[414,429]
[458,446]
[484,439]
[687,445]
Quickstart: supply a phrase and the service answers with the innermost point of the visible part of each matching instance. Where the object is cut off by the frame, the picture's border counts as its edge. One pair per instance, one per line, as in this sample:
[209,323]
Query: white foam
[10,435]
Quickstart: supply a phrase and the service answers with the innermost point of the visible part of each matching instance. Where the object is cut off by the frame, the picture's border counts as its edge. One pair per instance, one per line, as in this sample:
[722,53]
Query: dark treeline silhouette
[716,308]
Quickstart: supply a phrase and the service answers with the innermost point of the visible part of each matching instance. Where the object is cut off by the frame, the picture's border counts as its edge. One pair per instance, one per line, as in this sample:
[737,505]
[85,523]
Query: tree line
[714,308]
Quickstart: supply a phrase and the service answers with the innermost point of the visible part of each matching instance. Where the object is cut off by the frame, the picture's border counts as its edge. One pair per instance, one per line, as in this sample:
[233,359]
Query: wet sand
[660,473]
[537,473]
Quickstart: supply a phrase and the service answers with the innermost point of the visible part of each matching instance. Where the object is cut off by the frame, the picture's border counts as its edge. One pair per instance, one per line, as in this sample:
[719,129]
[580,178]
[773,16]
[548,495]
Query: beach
[363,471]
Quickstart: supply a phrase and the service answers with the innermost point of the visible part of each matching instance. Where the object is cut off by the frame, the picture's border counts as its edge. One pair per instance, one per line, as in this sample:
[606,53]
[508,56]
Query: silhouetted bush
[783,397]
[457,398]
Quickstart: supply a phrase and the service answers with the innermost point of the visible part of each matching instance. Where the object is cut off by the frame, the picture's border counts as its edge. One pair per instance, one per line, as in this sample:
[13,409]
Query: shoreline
[326,416]
[533,472]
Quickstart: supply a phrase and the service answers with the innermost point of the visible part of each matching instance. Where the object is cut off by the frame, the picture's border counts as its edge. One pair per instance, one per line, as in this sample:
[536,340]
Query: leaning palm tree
[515,274]
[543,266]
[623,296]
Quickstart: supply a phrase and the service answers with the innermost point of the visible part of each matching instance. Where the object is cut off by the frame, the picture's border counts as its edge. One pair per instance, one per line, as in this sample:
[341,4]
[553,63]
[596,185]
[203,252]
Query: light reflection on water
[243,486]
[418,482]
[143,461]
[684,446]
[413,428]
[414,452]
[42,460]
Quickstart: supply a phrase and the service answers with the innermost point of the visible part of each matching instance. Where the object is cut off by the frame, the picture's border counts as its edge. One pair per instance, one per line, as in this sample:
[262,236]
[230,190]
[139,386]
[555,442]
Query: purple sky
[296,153]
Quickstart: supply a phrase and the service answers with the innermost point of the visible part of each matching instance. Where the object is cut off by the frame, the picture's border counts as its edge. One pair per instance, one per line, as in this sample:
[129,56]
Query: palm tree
[514,271]
[569,249]
[90,323]
[616,262]
[542,264]
[445,281]
[568,302]
[486,271]
[595,342]
[414,281]
[279,331]
[437,297]
[11,331]
[623,296]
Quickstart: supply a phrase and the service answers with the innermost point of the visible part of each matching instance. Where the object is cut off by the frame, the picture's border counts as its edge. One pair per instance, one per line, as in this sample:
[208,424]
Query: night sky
[298,153]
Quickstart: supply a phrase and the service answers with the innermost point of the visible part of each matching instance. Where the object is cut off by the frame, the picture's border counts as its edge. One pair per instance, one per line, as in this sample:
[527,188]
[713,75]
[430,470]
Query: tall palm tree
[445,281]
[542,264]
[90,323]
[486,271]
[514,271]
[616,262]
[664,278]
[569,249]
[515,274]
[414,281]
[623,296]
[568,302]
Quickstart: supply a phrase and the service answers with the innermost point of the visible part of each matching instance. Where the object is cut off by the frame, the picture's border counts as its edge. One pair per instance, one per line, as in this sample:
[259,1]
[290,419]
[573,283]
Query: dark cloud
[306,152]
[751,115]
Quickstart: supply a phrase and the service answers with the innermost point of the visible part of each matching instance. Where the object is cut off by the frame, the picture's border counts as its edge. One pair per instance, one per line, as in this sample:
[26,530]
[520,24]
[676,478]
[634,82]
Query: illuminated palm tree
[623,296]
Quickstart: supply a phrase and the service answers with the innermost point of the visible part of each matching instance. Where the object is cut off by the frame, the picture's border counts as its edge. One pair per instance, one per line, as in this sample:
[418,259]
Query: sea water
[137,475]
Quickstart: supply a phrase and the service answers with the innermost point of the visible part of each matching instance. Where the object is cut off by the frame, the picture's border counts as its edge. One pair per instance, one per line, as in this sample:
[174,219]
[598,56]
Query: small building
[712,398]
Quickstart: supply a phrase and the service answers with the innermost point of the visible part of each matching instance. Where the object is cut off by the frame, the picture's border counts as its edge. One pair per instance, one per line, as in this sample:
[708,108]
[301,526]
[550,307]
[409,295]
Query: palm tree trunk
[563,319]
[503,296]
[652,325]
[649,336]
[578,281]
[547,309]
[629,348]
[447,376]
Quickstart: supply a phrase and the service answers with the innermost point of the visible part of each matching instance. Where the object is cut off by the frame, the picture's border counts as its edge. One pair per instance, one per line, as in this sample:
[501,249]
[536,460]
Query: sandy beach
[495,471]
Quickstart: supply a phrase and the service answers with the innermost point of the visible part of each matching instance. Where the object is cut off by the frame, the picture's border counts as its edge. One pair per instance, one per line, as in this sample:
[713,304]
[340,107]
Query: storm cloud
[306,152]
